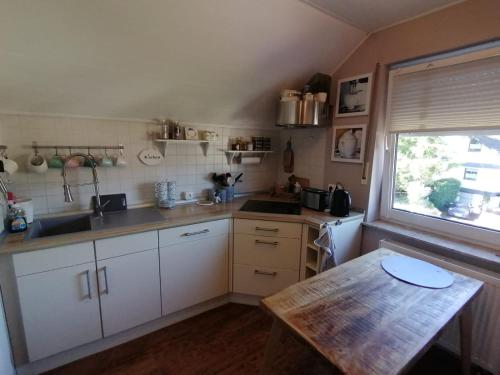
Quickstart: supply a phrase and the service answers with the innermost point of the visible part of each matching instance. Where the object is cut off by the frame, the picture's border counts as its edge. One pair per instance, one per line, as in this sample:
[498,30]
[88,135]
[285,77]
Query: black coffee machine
[340,202]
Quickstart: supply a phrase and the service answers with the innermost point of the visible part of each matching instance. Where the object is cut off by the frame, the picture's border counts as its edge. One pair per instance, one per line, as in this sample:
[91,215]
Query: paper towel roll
[250,160]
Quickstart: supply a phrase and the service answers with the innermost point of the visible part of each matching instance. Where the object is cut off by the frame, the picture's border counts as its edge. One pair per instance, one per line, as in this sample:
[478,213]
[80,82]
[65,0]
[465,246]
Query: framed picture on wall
[349,143]
[353,96]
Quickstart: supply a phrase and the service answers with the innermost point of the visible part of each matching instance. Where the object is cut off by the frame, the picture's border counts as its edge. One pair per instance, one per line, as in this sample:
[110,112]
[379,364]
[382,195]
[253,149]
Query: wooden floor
[227,340]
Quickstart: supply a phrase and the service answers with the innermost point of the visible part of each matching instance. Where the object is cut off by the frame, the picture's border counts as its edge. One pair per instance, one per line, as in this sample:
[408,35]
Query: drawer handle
[105,270]
[89,291]
[274,243]
[267,229]
[195,233]
[264,273]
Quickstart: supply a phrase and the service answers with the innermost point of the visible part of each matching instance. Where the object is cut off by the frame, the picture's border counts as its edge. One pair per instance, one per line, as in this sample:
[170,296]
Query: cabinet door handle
[89,291]
[105,271]
[267,229]
[195,233]
[274,243]
[264,273]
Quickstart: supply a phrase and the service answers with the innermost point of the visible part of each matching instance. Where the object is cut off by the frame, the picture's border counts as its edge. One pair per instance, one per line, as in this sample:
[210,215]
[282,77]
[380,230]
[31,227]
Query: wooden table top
[363,320]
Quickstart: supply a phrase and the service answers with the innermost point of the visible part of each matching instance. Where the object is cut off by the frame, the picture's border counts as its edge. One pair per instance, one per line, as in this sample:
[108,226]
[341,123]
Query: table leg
[466,338]
[274,342]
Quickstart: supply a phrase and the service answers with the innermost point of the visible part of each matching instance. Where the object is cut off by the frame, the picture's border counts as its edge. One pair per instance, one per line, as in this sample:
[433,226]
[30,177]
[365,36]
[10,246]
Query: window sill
[475,254]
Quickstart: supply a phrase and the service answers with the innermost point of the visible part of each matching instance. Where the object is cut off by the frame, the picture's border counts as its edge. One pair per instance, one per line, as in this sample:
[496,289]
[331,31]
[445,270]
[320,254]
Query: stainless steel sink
[80,223]
[60,225]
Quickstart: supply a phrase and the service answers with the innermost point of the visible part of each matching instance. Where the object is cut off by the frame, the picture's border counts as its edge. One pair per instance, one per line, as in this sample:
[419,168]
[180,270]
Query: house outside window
[470,174]
[475,145]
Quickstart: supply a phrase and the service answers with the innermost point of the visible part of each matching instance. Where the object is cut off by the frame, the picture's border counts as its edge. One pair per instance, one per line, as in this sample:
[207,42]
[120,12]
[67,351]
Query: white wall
[221,61]
[184,163]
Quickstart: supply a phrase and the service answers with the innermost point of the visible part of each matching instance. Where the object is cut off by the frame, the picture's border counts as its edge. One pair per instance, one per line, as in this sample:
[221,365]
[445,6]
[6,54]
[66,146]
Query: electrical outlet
[364,181]
[331,187]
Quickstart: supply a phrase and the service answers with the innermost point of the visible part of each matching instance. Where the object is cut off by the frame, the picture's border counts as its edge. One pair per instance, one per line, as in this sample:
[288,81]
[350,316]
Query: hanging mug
[56,161]
[37,163]
[8,165]
[120,160]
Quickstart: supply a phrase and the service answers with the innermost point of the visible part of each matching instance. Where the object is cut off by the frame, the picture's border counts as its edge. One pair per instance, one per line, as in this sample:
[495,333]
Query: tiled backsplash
[309,147]
[184,163]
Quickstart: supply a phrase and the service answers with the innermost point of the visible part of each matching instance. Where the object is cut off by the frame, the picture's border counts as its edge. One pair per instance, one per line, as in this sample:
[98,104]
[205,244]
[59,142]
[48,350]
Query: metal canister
[289,112]
[307,115]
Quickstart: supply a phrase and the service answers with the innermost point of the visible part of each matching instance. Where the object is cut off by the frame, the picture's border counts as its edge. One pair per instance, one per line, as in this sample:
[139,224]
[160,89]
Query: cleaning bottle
[16,221]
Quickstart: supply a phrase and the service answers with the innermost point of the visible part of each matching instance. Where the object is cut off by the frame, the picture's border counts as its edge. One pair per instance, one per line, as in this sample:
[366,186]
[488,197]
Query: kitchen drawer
[269,252]
[192,232]
[128,244]
[262,281]
[268,228]
[54,258]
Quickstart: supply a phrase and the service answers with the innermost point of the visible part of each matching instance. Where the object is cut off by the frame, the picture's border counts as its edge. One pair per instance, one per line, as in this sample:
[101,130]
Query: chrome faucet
[67,187]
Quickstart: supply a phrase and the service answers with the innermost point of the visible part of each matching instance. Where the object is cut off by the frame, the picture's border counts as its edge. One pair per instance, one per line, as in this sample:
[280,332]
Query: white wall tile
[187,164]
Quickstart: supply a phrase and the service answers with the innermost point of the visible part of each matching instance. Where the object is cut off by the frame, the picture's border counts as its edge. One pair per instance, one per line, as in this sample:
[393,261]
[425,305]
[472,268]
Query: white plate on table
[417,272]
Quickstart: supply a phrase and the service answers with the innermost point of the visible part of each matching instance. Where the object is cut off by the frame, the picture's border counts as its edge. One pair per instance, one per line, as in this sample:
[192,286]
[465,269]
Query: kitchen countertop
[184,214]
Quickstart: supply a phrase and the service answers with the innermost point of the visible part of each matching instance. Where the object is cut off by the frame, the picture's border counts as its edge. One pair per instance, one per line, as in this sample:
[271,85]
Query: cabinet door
[60,309]
[129,287]
[193,272]
[347,238]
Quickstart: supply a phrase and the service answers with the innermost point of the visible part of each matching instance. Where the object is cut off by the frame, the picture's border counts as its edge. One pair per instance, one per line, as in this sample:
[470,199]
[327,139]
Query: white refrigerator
[6,363]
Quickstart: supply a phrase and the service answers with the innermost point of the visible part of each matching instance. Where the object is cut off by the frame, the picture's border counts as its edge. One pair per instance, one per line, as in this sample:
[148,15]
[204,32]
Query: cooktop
[272,207]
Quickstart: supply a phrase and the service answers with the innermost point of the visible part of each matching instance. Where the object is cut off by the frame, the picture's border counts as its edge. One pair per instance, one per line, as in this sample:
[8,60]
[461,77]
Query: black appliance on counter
[341,202]
[315,199]
[272,207]
[111,202]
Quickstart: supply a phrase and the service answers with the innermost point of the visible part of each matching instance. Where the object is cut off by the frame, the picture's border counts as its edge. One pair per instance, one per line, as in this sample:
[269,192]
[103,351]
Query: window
[470,174]
[474,145]
[430,179]
[442,168]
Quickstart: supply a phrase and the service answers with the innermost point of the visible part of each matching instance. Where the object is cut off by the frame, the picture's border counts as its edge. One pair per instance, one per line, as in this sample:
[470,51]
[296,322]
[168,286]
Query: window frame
[465,232]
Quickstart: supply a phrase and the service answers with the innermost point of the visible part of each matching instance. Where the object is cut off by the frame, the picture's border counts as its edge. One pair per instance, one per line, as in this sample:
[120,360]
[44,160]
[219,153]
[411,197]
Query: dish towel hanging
[326,246]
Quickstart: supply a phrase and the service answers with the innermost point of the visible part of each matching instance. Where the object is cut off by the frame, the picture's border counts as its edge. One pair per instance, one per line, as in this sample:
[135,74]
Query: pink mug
[73,162]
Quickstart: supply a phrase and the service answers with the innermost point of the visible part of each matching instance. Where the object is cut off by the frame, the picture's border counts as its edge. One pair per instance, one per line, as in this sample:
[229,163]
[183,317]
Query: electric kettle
[341,202]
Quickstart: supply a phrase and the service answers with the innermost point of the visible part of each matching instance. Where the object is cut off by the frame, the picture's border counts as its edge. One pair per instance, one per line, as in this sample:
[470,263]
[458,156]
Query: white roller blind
[439,96]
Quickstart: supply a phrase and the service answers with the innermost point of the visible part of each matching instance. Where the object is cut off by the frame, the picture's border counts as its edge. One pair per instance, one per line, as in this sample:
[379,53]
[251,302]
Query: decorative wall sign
[349,143]
[353,96]
[191,133]
[150,156]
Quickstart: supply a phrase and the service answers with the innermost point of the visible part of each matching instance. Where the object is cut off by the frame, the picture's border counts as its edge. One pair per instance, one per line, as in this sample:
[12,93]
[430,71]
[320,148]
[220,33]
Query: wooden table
[364,321]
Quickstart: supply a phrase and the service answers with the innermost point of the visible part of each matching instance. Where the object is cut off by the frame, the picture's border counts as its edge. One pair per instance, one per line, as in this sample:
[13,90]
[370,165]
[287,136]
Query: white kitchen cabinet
[194,269]
[262,281]
[129,288]
[60,309]
[266,256]
[268,228]
[268,252]
[6,361]
[347,239]
[128,272]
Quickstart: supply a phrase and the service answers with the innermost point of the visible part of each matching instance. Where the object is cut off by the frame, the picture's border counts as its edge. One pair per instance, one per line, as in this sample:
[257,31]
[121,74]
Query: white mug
[120,160]
[9,165]
[187,195]
[37,164]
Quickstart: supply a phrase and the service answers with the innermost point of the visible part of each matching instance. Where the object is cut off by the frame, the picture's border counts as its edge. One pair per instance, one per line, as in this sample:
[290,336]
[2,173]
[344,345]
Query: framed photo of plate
[191,134]
[353,96]
[348,143]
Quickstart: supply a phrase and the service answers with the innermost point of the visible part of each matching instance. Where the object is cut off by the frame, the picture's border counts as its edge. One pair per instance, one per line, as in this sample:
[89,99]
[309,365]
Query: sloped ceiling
[371,15]
[218,61]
